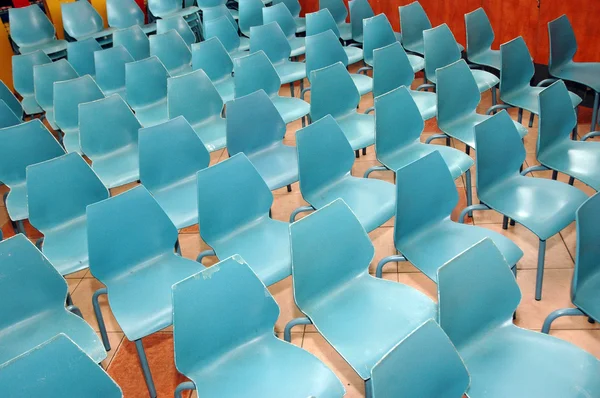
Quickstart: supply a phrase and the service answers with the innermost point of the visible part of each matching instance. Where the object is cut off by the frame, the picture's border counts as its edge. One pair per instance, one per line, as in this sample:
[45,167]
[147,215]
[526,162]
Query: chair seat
[180,202]
[372,201]
[543,206]
[213,133]
[458,162]
[153,114]
[183,12]
[463,129]
[417,62]
[300,24]
[359,129]
[265,246]
[240,52]
[103,36]
[298,45]
[428,250]
[354,54]
[586,73]
[277,165]
[16,202]
[575,158]
[368,317]
[141,300]
[118,168]
[38,329]
[527,98]
[180,70]
[290,71]
[485,80]
[226,89]
[363,83]
[66,246]
[30,105]
[122,91]
[48,48]
[71,141]
[426,102]
[514,362]
[267,367]
[345,31]
[290,108]
[488,57]
[149,28]
[244,44]
[586,296]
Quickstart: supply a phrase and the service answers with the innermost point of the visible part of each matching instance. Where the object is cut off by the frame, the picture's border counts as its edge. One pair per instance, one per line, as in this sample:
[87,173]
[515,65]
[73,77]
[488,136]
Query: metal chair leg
[557,314]
[540,270]
[389,259]
[469,192]
[520,115]
[357,153]
[186,385]
[554,174]
[287,331]
[505,222]
[145,368]
[595,111]
[494,100]
[368,389]
[289,188]
[531,117]
[100,318]
[292,89]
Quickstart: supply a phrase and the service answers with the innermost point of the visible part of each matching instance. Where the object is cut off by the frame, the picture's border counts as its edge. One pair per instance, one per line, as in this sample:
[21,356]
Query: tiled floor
[530,314]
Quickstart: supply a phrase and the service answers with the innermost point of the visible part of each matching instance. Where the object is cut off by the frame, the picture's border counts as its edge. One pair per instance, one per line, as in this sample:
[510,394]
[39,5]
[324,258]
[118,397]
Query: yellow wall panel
[100,6]
[53,10]
[6,53]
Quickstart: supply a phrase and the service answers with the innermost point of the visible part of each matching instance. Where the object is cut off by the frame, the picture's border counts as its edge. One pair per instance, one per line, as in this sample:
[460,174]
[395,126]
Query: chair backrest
[146,82]
[324,155]
[202,4]
[224,190]
[441,49]
[170,152]
[588,250]
[107,125]
[22,67]
[7,116]
[212,13]
[134,40]
[329,248]
[413,21]
[126,230]
[27,274]
[59,190]
[563,44]
[323,49]
[110,67]
[212,58]
[292,5]
[68,94]
[255,72]
[253,124]
[222,29]
[517,67]
[51,367]
[272,41]
[336,8]
[80,19]
[457,92]
[178,24]
[10,100]
[172,51]
[29,26]
[280,14]
[250,14]
[424,364]
[123,13]
[377,33]
[24,144]
[164,7]
[500,152]
[319,22]
[242,310]
[81,56]
[477,292]
[480,34]
[44,77]
[332,92]
[557,117]
[391,69]
[359,10]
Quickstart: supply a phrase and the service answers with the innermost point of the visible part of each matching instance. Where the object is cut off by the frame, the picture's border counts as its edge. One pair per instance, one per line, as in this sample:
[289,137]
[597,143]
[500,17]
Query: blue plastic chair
[555,149]
[322,21]
[146,83]
[80,55]
[377,33]
[50,370]
[41,313]
[325,160]
[255,72]
[179,25]
[7,116]
[134,40]
[194,97]
[131,246]
[359,11]
[123,14]
[250,15]
[441,49]
[295,8]
[457,101]
[44,77]
[393,70]
[331,253]
[324,49]
[222,29]
[10,100]
[58,192]
[425,364]
[22,67]
[213,59]
[171,8]
[586,277]
[109,137]
[333,93]
[280,14]
[31,30]
[477,298]
[172,51]
[216,12]
[21,145]
[68,95]
[255,128]
[170,156]
[81,21]
[339,12]
[543,206]
[110,70]
[244,357]
[480,37]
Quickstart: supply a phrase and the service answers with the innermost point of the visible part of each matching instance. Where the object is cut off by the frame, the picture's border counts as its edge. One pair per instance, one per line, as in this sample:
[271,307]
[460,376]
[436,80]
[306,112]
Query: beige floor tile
[361,166]
[123,188]
[284,204]
[420,282]
[297,337]
[115,339]
[78,275]
[192,245]
[588,340]
[283,293]
[82,298]
[73,283]
[383,240]
[216,156]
